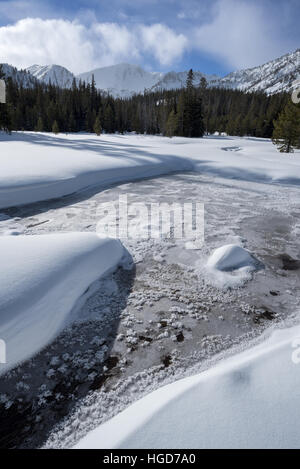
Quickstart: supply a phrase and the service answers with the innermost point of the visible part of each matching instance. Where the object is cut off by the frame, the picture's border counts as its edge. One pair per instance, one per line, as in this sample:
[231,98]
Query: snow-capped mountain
[125,80]
[22,77]
[272,77]
[56,74]
[122,80]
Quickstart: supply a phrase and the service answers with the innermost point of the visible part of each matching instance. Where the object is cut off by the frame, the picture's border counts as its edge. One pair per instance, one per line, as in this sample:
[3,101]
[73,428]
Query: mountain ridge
[124,80]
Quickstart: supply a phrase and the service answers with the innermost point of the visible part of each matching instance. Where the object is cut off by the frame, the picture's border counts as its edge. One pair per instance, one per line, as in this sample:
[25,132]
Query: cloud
[166,45]
[242,34]
[81,48]
[115,41]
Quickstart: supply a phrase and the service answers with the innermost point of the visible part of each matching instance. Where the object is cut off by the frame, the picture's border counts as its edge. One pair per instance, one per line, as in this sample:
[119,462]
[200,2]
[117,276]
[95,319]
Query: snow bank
[230,266]
[41,278]
[37,166]
[248,401]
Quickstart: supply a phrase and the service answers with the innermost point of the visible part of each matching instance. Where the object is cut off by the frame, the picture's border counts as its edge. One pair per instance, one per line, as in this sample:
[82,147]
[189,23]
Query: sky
[213,36]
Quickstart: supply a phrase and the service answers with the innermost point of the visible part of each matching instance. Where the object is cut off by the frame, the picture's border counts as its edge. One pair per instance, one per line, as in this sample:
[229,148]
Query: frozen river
[161,319]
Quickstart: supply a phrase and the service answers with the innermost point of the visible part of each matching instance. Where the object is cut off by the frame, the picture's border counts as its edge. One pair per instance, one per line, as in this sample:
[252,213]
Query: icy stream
[144,326]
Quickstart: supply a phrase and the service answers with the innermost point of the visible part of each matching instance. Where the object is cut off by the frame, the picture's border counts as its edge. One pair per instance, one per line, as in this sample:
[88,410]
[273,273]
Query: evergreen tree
[171,125]
[190,81]
[97,126]
[193,125]
[55,128]
[5,121]
[203,84]
[77,108]
[287,129]
[39,125]
[108,119]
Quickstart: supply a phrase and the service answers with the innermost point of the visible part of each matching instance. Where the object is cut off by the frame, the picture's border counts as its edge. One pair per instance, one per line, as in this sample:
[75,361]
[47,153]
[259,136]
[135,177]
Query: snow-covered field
[37,166]
[137,329]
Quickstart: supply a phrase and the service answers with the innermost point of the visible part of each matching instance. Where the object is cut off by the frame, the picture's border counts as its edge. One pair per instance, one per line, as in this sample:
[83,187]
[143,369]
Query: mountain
[272,77]
[125,80]
[173,80]
[122,80]
[55,74]
[22,77]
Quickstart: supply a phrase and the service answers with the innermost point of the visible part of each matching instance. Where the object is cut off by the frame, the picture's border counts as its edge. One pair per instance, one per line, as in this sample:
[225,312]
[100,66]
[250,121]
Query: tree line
[189,112]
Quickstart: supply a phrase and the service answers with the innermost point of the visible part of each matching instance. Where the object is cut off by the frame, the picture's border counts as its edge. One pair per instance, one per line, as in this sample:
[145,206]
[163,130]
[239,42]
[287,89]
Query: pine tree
[190,80]
[193,125]
[5,108]
[171,125]
[55,128]
[97,126]
[40,125]
[108,118]
[203,84]
[287,129]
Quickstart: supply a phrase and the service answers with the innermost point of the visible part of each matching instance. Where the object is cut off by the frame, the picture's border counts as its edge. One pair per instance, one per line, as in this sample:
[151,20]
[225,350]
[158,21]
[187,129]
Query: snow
[273,77]
[41,278]
[236,404]
[230,257]
[39,166]
[230,266]
[22,77]
[54,74]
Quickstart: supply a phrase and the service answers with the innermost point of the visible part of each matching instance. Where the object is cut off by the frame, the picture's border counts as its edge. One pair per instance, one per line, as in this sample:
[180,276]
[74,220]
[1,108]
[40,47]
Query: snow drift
[41,278]
[247,401]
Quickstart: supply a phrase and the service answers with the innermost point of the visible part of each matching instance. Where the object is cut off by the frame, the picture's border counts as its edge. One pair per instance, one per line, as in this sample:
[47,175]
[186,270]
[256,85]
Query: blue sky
[214,36]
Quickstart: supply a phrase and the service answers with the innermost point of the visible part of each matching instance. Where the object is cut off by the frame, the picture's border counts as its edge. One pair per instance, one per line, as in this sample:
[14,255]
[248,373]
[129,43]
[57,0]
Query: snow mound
[41,278]
[230,257]
[247,401]
[230,266]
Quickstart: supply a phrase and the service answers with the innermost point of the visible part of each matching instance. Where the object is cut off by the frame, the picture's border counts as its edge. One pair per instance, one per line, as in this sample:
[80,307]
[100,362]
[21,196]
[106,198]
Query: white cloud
[34,40]
[166,45]
[81,48]
[115,41]
[242,34]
